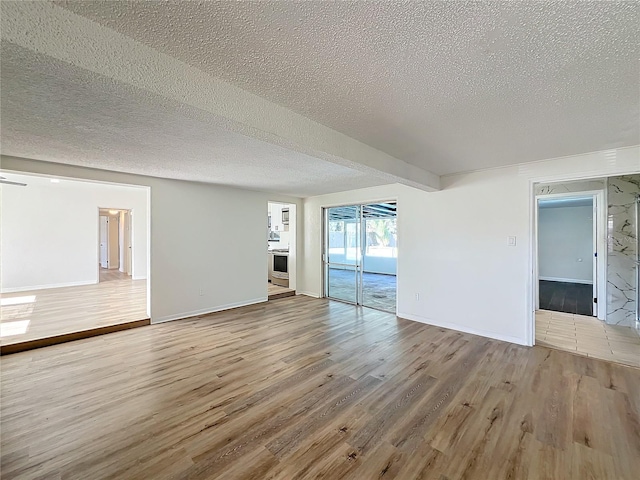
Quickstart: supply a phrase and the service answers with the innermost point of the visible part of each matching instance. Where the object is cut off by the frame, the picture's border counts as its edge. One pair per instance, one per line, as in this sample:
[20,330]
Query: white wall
[204,239]
[565,244]
[452,244]
[50,232]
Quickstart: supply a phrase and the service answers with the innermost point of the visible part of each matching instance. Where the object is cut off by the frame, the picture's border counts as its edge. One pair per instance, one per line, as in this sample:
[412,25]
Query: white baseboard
[566,280]
[144,277]
[45,287]
[460,328]
[206,311]
[308,294]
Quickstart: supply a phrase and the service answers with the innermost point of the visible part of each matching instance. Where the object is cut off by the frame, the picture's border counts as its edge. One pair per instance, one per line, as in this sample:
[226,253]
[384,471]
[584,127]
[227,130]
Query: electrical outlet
[201,292]
[417,297]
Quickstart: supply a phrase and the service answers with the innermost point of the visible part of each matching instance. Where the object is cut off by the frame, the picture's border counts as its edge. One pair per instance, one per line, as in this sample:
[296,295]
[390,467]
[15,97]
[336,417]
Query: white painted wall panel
[50,232]
[204,238]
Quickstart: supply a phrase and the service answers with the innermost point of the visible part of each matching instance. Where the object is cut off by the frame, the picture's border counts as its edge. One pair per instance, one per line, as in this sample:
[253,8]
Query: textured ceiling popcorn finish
[443,86]
[448,86]
[121,132]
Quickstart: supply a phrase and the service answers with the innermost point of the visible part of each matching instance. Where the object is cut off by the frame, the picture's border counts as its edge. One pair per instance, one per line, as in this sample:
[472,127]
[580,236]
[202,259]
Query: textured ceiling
[446,86]
[54,112]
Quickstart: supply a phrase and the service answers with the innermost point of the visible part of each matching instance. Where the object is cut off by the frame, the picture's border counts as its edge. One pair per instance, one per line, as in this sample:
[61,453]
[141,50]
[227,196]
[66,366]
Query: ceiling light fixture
[55,180]
[114,212]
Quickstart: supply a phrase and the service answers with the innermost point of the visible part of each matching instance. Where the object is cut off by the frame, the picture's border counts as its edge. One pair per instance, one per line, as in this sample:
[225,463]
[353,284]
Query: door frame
[599,243]
[100,231]
[129,214]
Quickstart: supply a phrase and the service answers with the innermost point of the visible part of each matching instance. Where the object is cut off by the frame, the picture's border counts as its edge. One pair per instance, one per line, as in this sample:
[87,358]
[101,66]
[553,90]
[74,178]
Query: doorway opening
[62,285]
[281,250]
[360,254]
[568,253]
[115,245]
[584,275]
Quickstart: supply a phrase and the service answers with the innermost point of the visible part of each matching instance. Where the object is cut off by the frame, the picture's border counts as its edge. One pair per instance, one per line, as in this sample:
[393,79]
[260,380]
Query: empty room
[71,267]
[446,197]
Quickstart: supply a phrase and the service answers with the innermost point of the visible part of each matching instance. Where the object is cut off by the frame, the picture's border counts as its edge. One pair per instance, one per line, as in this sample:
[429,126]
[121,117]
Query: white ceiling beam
[53,31]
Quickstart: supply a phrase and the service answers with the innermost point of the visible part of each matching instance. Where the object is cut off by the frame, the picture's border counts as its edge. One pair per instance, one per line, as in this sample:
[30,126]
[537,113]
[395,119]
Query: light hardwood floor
[276,291]
[36,314]
[587,336]
[308,388]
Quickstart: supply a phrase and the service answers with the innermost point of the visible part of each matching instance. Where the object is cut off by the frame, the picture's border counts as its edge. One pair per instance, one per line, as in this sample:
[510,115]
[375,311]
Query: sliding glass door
[360,255]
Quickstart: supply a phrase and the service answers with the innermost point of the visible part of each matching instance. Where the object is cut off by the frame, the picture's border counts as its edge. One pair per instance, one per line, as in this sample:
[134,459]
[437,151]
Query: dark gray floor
[566,297]
[379,290]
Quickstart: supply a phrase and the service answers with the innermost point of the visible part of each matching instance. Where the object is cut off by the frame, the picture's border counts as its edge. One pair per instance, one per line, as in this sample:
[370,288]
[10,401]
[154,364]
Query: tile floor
[588,336]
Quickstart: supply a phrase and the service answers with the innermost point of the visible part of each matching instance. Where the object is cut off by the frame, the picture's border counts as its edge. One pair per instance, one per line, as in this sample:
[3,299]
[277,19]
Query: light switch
[511,241]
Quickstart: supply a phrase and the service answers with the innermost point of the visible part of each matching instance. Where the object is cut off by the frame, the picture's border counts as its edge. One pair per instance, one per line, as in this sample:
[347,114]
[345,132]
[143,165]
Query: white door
[104,241]
[127,243]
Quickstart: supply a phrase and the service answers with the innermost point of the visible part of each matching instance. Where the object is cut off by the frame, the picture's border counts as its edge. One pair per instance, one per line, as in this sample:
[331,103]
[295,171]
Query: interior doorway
[360,254]
[281,250]
[567,254]
[584,248]
[115,244]
[54,286]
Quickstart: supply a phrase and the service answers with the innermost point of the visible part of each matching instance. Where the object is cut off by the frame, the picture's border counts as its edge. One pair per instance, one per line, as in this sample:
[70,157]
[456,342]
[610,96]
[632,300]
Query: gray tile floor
[379,290]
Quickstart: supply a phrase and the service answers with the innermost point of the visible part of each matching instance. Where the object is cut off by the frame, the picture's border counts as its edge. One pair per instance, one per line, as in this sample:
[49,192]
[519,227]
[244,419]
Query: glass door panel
[380,259]
[343,253]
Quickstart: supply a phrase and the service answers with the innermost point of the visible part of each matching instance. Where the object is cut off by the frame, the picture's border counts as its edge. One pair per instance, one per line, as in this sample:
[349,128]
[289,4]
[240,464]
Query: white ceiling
[444,86]
[447,86]
[54,112]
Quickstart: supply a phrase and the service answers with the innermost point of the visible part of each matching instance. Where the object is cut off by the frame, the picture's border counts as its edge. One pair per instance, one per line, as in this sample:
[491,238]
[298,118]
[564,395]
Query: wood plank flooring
[276,291]
[588,336]
[37,314]
[308,388]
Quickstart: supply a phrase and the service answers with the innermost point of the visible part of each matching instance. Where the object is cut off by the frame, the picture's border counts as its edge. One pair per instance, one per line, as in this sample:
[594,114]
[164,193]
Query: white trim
[566,280]
[532,299]
[308,294]
[206,311]
[45,287]
[138,278]
[459,328]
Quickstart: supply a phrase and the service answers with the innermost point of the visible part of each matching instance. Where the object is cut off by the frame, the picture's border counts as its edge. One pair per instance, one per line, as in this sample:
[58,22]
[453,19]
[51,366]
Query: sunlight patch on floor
[8,329]
[5,302]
